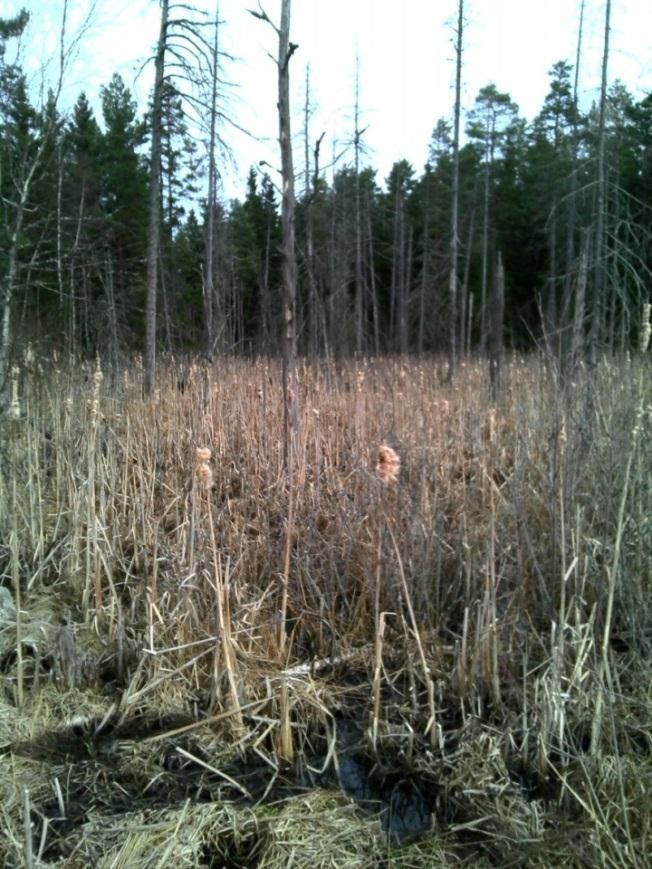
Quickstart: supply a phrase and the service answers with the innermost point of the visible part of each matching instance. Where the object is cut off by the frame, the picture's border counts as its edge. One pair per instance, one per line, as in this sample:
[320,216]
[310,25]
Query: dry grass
[469,583]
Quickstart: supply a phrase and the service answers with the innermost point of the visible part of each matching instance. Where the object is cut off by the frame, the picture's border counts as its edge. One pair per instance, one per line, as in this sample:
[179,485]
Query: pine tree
[488,122]
[123,198]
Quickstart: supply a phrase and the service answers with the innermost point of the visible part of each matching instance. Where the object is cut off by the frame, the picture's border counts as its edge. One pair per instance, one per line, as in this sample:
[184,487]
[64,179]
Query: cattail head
[646,328]
[204,472]
[14,407]
[389,465]
[205,476]
[203,454]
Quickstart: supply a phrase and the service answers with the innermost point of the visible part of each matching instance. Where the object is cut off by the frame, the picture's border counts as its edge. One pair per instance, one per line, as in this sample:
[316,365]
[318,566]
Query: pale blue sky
[406,61]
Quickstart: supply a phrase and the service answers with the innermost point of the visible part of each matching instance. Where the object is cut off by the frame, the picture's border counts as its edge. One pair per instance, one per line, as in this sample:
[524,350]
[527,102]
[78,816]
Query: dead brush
[510,596]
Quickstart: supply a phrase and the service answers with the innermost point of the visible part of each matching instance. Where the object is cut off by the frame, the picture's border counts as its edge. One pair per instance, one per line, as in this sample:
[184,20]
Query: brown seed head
[205,476]
[389,464]
[203,454]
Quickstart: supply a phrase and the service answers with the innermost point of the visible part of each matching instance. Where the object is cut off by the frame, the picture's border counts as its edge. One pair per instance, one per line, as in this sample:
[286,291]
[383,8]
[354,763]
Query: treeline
[563,201]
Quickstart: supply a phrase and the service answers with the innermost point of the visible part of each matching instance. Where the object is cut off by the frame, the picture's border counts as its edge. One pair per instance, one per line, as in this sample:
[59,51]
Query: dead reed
[485,608]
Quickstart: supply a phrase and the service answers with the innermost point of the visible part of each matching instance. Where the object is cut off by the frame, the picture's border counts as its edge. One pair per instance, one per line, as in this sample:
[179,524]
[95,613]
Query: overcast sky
[406,62]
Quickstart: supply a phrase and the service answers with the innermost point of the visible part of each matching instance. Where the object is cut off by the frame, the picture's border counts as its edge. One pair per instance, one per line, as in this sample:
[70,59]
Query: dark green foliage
[526,191]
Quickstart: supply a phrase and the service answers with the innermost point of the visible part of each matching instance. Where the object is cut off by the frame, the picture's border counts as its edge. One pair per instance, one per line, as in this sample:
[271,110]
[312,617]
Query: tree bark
[498,305]
[153,241]
[359,299]
[210,305]
[455,195]
[599,267]
[285,51]
[567,318]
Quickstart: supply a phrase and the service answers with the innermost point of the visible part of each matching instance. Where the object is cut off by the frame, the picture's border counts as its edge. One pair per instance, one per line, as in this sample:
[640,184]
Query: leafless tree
[154,232]
[599,265]
[455,196]
[285,51]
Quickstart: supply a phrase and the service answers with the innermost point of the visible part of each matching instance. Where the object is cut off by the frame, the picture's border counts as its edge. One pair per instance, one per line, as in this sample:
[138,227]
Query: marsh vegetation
[212,659]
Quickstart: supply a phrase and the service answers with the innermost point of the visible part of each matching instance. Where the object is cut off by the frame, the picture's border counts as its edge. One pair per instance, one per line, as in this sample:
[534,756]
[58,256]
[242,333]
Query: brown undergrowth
[459,637]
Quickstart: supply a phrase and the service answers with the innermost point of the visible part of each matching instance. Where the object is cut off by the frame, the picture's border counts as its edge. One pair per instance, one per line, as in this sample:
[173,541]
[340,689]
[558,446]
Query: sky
[405,57]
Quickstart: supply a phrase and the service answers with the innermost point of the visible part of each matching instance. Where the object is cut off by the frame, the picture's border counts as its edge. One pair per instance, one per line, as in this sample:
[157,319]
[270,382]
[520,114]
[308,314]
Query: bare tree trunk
[310,184]
[407,288]
[465,333]
[153,242]
[455,195]
[485,256]
[566,314]
[359,293]
[60,283]
[113,316]
[290,393]
[372,283]
[599,266]
[577,339]
[423,287]
[498,305]
[314,302]
[211,200]
[551,335]
[398,288]
[8,297]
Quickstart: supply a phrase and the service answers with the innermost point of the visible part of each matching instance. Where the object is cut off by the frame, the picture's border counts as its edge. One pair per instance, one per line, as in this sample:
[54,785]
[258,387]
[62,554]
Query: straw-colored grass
[469,583]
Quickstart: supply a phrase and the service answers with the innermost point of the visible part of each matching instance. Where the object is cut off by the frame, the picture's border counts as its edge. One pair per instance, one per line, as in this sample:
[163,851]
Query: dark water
[88,758]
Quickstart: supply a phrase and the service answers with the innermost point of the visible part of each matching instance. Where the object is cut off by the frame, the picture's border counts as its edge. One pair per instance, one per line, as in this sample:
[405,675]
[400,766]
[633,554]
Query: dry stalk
[29,845]
[433,727]
[376,688]
[604,676]
[15,578]
[221,600]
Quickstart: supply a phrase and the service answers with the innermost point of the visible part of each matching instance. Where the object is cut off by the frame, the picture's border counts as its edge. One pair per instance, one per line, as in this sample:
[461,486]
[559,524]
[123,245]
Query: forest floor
[433,654]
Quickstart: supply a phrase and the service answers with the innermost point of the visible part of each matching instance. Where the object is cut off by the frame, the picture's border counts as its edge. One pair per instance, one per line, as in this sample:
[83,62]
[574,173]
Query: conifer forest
[326,508]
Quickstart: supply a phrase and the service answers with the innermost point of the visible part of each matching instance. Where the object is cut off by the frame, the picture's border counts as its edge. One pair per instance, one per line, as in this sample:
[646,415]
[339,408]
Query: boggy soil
[107,788]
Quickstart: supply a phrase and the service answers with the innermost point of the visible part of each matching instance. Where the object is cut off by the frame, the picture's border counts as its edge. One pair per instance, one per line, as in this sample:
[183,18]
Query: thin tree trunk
[285,51]
[455,195]
[498,304]
[424,272]
[485,256]
[113,316]
[406,284]
[372,284]
[153,241]
[211,200]
[359,298]
[567,301]
[599,267]
[314,304]
[550,317]
[465,331]
[577,340]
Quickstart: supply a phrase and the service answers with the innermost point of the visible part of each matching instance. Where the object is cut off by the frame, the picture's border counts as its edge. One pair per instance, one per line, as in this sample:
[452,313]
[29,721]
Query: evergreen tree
[489,122]
[123,196]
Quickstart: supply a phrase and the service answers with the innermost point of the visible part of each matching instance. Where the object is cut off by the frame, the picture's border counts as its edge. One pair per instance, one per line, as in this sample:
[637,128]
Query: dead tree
[285,51]
[154,232]
[599,265]
[497,316]
[210,306]
[455,197]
